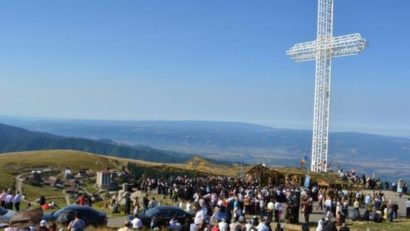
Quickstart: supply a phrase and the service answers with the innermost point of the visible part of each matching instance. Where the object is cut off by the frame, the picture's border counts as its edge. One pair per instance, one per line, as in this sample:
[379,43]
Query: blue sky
[201,60]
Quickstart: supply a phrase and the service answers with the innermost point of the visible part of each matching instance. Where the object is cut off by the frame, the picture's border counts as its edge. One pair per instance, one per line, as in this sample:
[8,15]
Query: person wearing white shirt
[9,201]
[320,225]
[278,210]
[328,204]
[188,207]
[262,226]
[16,201]
[223,226]
[199,217]
[367,199]
[3,198]
[196,197]
[249,226]
[136,223]
[181,204]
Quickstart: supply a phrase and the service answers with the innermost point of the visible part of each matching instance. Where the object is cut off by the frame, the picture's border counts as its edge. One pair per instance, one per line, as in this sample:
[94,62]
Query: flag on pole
[306,158]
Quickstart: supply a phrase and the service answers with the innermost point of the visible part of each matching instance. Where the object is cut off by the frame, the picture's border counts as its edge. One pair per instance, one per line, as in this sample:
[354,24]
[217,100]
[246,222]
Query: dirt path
[19,183]
[67,199]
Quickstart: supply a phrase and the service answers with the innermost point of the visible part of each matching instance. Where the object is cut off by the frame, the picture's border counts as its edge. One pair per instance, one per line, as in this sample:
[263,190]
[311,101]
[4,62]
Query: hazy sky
[200,60]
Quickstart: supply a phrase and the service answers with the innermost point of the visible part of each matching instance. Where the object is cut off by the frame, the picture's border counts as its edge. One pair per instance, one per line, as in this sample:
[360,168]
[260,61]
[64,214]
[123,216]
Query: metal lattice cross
[323,49]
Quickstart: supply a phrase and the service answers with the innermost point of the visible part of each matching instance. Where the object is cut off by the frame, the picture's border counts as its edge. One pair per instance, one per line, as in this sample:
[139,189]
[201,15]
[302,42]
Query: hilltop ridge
[388,157]
[14,139]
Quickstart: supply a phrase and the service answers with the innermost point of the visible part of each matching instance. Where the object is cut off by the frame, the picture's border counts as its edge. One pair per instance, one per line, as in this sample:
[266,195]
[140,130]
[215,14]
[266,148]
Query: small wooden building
[264,175]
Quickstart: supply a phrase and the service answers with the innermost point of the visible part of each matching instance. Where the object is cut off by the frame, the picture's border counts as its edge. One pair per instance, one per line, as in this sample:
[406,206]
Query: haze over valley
[231,142]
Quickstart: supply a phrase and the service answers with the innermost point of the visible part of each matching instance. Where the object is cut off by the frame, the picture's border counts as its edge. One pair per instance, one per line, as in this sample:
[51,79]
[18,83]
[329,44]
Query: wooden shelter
[264,175]
[323,184]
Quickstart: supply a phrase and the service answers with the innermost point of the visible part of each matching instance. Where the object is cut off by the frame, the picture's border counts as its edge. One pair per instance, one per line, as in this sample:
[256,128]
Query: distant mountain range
[13,139]
[240,142]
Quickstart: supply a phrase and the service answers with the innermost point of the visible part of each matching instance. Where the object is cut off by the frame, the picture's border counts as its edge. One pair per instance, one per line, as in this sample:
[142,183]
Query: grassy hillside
[57,158]
[12,164]
[14,139]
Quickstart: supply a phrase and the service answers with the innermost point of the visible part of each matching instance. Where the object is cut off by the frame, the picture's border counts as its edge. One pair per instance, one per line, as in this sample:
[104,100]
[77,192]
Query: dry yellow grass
[12,164]
[59,159]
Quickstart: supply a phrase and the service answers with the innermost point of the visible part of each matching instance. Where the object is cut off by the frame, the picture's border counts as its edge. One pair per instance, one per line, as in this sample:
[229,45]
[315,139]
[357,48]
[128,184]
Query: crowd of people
[9,200]
[228,203]
[219,200]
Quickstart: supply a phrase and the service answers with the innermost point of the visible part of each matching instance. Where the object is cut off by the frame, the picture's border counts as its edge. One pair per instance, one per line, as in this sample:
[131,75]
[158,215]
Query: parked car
[163,215]
[5,216]
[86,213]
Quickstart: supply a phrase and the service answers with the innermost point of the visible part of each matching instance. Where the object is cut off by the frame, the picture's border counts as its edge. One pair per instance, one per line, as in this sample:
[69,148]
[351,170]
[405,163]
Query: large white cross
[322,50]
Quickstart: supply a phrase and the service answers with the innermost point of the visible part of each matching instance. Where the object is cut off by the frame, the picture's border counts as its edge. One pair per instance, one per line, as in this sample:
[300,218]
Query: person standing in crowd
[408,208]
[356,212]
[307,209]
[278,227]
[3,198]
[188,206]
[249,225]
[328,205]
[9,200]
[328,223]
[270,210]
[222,225]
[145,202]
[395,209]
[43,226]
[246,204]
[320,201]
[278,210]
[81,199]
[77,224]
[345,207]
[52,226]
[320,224]
[135,210]
[16,201]
[113,200]
[264,225]
[390,212]
[236,226]
[127,205]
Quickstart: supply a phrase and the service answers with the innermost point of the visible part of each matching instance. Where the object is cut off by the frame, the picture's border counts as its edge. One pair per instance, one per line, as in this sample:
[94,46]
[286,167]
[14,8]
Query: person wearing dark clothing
[329,225]
[145,202]
[305,227]
[307,210]
[42,200]
[408,208]
[278,227]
